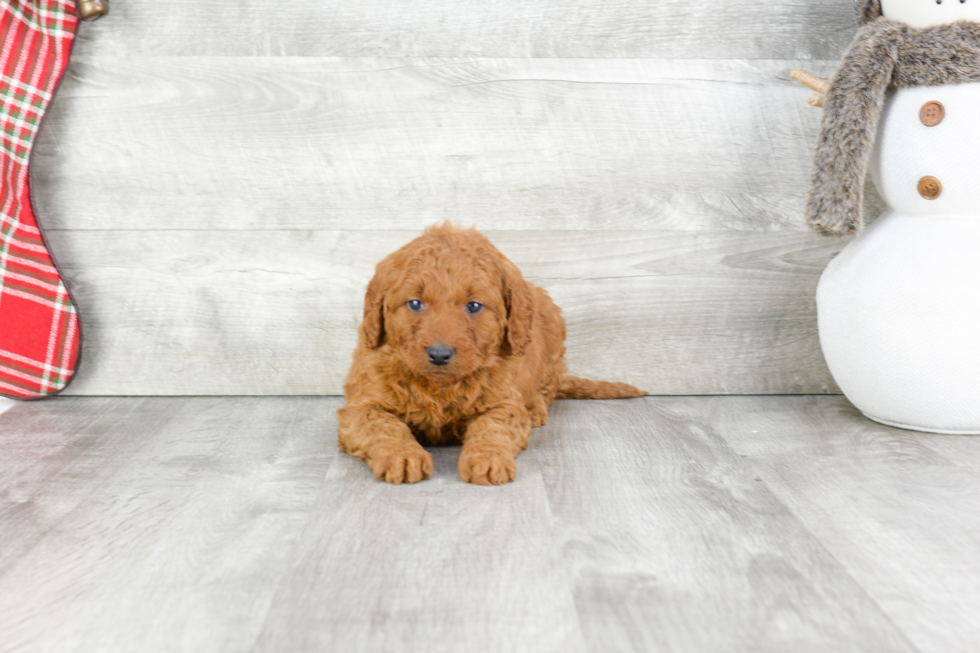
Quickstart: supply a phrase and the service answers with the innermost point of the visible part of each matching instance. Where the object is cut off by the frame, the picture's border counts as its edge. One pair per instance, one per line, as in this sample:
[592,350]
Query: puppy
[455,346]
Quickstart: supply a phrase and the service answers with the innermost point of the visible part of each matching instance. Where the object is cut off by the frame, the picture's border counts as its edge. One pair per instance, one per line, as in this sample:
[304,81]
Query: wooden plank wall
[218,178]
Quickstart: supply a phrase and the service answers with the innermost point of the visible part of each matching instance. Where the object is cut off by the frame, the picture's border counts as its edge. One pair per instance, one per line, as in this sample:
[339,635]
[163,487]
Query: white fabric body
[928,13]
[906,151]
[899,308]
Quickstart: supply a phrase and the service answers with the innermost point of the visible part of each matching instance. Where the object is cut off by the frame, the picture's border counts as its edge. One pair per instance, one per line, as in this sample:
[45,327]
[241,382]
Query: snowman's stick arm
[814,83]
[811,81]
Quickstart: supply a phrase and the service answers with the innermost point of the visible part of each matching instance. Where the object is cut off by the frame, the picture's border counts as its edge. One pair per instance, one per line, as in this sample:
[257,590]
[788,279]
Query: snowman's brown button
[932,113]
[930,188]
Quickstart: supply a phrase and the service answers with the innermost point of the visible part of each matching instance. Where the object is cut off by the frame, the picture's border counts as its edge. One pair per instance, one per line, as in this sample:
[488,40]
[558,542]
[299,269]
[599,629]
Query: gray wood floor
[659,524]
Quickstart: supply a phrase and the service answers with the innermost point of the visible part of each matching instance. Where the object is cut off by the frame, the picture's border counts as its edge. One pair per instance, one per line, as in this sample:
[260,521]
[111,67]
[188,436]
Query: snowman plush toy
[899,308]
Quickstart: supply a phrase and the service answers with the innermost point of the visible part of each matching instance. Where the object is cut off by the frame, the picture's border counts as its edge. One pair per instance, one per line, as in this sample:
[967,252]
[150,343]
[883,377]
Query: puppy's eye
[474,307]
[415,305]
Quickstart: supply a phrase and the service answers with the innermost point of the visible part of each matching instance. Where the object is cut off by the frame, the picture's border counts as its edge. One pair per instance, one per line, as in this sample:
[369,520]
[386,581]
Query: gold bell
[91,9]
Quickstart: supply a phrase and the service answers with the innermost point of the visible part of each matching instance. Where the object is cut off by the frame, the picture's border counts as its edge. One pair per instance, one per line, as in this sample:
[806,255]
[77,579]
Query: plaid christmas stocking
[39,331]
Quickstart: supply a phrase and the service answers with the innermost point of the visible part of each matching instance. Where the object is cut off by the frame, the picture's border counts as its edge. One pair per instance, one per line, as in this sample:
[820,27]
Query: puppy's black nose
[440,354]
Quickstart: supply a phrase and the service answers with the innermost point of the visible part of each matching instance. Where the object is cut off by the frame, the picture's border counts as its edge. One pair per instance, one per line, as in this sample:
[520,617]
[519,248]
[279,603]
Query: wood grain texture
[220,312]
[896,508]
[436,566]
[53,457]
[674,544]
[771,29]
[313,143]
[184,530]
[219,178]
[695,524]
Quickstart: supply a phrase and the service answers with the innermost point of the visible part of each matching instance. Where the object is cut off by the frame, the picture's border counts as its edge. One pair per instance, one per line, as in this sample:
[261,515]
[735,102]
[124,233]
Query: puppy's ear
[520,308]
[373,326]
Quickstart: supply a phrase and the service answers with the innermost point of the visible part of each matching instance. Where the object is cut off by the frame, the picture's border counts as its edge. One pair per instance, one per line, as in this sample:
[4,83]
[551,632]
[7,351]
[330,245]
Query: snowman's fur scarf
[867,10]
[884,55]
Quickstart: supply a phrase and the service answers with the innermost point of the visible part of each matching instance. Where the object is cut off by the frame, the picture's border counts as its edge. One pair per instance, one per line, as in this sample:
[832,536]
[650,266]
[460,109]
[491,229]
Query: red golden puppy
[455,346]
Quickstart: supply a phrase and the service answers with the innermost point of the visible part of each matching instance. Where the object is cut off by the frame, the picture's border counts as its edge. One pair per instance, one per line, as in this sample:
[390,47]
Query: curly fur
[507,368]
[884,55]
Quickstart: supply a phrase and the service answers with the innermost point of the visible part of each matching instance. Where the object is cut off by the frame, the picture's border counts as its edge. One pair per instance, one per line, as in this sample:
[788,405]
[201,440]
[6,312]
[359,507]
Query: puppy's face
[445,315]
[448,304]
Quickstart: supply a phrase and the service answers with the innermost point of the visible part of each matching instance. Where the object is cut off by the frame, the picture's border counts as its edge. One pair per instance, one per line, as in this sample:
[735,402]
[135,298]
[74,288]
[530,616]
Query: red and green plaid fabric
[39,338]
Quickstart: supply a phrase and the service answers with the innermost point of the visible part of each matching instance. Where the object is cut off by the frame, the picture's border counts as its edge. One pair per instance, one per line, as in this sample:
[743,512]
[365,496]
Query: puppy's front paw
[487,467]
[401,463]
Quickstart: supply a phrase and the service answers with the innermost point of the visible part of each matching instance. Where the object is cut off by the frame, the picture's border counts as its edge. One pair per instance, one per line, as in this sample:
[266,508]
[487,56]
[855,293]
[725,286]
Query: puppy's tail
[573,387]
